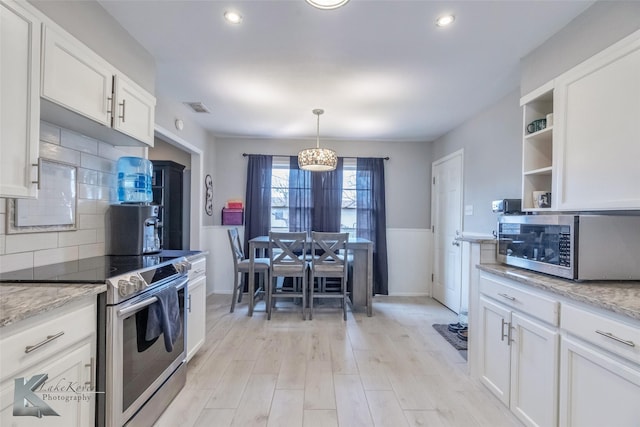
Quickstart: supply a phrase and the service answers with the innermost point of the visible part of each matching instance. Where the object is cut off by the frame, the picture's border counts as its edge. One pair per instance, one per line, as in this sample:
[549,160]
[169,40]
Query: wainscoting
[408,250]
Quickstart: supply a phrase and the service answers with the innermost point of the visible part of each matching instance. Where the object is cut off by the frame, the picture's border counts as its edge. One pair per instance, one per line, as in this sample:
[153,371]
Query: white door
[534,372]
[75,77]
[495,353]
[446,219]
[597,389]
[133,110]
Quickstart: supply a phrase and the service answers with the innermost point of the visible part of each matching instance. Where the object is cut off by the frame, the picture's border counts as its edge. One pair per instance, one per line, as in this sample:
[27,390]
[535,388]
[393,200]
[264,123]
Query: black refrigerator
[167,188]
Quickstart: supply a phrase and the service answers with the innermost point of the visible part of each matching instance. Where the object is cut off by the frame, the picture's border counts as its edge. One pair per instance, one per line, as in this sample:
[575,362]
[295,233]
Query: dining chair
[329,260]
[287,256]
[241,267]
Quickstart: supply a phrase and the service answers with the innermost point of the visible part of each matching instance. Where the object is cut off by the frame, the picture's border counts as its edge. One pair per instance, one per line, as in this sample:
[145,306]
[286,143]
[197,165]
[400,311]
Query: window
[348,216]
[280,186]
[280,194]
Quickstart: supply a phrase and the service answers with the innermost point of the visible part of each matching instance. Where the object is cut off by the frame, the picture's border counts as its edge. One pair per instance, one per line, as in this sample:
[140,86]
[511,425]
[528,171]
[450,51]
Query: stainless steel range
[141,374]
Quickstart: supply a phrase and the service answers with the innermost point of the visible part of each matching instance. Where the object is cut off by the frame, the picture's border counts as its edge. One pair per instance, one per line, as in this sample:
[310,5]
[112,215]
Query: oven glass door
[145,362]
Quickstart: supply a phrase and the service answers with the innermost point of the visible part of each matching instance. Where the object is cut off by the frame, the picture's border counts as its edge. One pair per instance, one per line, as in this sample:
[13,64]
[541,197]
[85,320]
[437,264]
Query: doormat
[451,337]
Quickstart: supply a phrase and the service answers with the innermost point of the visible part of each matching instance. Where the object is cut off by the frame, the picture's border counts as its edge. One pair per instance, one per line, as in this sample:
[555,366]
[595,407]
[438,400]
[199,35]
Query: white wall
[202,148]
[164,151]
[492,143]
[598,27]
[407,173]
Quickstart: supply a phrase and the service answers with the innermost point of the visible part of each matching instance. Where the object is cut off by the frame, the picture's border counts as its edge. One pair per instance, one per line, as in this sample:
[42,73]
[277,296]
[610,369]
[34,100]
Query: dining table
[362,277]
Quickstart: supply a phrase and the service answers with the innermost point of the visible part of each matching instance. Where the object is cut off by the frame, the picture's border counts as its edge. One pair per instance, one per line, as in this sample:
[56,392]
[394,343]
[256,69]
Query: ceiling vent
[198,107]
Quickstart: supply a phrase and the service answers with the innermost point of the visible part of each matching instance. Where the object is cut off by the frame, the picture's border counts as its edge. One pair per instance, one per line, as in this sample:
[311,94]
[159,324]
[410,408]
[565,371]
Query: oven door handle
[144,303]
[136,307]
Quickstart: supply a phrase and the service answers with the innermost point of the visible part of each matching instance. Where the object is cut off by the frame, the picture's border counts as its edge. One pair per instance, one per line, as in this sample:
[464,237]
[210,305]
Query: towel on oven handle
[164,318]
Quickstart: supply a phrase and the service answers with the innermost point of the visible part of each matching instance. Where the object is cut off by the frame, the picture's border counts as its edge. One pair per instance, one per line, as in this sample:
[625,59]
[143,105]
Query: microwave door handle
[136,307]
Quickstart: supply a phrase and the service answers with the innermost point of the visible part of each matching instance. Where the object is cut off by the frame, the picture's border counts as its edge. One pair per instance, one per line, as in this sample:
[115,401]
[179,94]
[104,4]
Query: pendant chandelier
[327,4]
[317,159]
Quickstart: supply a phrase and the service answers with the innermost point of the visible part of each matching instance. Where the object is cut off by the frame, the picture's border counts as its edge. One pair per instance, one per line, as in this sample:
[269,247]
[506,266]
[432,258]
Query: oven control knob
[183,267]
[125,287]
[138,284]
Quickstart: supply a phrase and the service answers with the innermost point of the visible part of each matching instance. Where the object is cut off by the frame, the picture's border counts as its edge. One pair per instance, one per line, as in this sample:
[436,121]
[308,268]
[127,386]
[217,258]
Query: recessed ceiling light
[233,17]
[327,4]
[445,20]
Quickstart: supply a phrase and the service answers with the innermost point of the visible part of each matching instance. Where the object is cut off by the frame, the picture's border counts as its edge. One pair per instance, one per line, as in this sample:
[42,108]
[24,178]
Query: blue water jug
[134,180]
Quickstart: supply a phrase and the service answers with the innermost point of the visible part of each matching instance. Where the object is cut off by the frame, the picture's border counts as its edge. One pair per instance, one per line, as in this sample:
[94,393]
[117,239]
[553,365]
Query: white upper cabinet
[19,100]
[597,131]
[133,110]
[76,78]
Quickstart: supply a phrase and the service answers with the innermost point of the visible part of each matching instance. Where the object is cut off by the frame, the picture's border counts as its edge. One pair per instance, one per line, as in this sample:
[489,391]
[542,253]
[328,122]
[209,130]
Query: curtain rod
[284,155]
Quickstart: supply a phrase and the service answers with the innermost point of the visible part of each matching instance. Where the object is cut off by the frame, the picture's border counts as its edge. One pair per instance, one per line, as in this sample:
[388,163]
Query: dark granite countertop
[622,297]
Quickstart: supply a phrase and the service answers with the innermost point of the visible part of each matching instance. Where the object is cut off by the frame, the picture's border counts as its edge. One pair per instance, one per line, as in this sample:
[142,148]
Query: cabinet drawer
[525,301]
[198,268]
[75,323]
[608,333]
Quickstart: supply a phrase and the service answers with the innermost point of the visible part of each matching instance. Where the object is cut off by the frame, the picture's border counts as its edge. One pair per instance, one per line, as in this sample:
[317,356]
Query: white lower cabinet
[597,389]
[553,361]
[58,347]
[196,307]
[600,374]
[518,354]
[65,373]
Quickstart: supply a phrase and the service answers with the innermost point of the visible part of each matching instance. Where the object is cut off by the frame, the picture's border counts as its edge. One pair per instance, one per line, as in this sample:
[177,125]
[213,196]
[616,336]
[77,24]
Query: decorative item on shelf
[234,204]
[536,125]
[541,199]
[327,4]
[208,201]
[317,159]
[549,120]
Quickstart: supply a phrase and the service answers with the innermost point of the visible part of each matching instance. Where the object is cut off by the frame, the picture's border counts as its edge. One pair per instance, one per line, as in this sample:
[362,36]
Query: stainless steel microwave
[578,247]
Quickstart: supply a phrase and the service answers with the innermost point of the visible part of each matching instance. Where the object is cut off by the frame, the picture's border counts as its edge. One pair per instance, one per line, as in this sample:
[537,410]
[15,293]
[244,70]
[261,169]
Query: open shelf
[537,147]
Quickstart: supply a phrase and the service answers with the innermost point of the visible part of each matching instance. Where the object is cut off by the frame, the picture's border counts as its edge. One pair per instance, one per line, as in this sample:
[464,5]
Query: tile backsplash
[96,178]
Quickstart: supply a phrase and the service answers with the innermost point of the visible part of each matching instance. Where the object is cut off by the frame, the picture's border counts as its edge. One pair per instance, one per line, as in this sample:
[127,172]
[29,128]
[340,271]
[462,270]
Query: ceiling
[381,69]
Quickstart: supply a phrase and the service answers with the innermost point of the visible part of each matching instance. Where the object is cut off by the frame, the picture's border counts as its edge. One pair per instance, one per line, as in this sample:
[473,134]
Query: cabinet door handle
[123,110]
[615,338]
[509,297]
[509,337]
[92,373]
[30,348]
[189,305]
[38,167]
[503,335]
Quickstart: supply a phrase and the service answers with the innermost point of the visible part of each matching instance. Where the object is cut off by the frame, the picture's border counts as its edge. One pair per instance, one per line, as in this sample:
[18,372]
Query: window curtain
[258,198]
[315,198]
[327,199]
[371,217]
[300,199]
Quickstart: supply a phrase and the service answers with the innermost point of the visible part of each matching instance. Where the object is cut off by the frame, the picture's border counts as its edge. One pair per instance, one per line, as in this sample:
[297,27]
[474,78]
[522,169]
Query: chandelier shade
[317,159]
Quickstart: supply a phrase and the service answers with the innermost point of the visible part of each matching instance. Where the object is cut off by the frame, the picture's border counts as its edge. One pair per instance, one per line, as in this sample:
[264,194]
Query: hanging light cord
[317,112]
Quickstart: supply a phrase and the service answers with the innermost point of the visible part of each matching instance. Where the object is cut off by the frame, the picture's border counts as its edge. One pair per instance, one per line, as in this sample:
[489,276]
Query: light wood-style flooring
[392,369]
